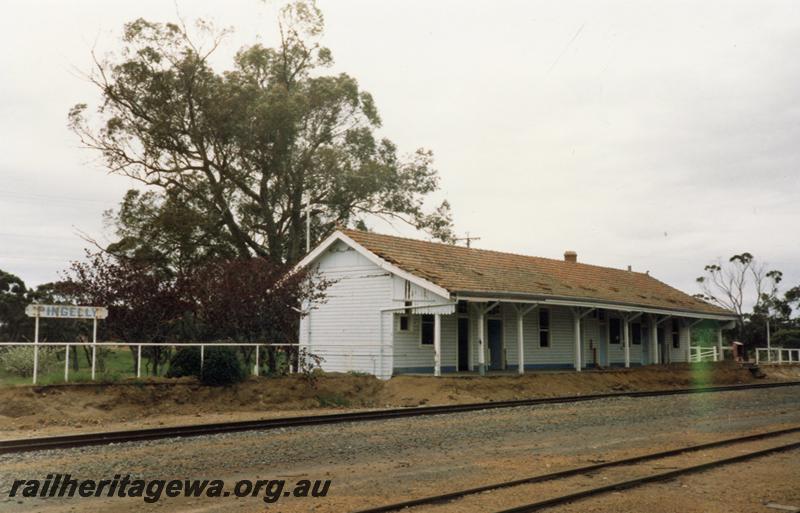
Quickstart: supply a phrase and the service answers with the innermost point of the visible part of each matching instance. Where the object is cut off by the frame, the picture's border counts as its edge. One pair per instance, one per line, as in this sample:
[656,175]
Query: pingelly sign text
[66,311]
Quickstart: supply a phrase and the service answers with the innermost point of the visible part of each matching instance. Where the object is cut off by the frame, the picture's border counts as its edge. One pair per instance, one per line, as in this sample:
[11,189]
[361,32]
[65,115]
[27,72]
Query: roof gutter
[566,301]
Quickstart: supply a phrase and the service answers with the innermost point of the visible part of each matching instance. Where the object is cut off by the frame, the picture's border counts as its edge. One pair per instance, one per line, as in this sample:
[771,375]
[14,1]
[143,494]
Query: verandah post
[437,344]
[577,347]
[654,340]
[520,344]
[626,340]
[481,355]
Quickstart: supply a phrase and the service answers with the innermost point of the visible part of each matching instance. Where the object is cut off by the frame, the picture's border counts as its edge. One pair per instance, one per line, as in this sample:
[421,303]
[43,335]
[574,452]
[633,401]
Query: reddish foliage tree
[238,300]
[144,304]
[252,300]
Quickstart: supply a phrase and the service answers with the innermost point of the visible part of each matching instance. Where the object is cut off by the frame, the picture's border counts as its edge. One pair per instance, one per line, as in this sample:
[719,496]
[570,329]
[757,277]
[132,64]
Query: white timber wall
[346,329]
[409,354]
[679,354]
[560,352]
[358,329]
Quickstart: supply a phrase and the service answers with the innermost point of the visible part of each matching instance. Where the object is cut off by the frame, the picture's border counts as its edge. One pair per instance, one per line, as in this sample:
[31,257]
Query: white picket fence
[777,355]
[704,354]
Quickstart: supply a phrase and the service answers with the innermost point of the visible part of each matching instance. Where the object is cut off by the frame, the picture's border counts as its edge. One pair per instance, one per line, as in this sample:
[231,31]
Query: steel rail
[652,478]
[448,497]
[103,438]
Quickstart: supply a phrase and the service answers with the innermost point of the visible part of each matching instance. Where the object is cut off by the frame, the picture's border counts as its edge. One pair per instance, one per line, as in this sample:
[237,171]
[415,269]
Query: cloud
[662,135]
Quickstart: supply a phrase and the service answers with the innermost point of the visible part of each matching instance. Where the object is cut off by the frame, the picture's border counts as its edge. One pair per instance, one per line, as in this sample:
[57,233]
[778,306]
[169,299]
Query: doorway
[495,336]
[463,343]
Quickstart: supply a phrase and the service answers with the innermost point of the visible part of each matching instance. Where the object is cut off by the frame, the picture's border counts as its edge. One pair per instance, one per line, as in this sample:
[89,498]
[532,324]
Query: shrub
[333,400]
[18,360]
[222,367]
[786,338]
[185,362]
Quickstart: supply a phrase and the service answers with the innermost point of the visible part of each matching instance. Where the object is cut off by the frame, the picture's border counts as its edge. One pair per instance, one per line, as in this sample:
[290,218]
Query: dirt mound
[30,410]
[414,390]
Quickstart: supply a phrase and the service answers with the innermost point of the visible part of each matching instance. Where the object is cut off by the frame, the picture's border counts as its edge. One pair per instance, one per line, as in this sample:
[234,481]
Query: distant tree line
[754,293]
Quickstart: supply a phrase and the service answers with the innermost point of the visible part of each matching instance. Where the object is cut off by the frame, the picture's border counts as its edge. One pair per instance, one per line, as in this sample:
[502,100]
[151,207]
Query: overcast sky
[657,134]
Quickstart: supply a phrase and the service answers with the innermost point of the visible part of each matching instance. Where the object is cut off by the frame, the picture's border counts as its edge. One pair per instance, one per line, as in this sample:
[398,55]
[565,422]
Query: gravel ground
[385,461]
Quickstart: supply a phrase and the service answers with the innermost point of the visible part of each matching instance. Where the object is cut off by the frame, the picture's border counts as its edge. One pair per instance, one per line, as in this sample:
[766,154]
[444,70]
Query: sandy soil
[46,410]
[380,462]
[746,487]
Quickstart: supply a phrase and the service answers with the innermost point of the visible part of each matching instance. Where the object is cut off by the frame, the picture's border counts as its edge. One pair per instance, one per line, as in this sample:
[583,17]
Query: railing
[778,355]
[703,354]
[368,358]
[95,345]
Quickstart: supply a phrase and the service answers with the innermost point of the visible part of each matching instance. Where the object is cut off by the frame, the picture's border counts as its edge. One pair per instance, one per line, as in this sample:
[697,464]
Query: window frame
[405,315]
[544,329]
[676,334]
[427,319]
[618,322]
[636,333]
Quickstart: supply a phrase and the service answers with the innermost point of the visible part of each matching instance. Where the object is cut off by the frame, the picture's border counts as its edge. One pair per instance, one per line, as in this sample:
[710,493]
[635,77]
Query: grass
[113,364]
[333,400]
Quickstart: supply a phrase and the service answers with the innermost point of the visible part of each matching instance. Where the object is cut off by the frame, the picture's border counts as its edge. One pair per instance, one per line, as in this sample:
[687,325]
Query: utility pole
[467,238]
[308,225]
[769,345]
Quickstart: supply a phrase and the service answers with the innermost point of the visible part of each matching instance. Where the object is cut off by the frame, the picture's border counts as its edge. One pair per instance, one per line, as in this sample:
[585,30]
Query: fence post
[780,356]
[757,354]
[255,371]
[36,347]
[66,364]
[139,362]
[94,345]
[202,357]
[715,353]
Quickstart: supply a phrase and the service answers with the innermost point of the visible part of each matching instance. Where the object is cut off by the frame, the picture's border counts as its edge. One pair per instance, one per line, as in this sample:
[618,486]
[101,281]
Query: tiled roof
[467,271]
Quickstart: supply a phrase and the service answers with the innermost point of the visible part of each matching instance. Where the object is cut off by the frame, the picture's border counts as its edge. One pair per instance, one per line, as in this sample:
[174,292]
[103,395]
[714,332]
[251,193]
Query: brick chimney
[570,256]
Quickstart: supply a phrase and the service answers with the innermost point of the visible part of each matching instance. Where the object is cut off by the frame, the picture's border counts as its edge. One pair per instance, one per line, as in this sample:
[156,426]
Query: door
[495,331]
[463,343]
[645,345]
[600,344]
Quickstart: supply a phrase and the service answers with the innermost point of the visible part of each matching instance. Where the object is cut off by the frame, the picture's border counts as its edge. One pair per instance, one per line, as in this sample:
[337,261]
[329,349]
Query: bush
[222,367]
[786,338]
[185,362]
[18,360]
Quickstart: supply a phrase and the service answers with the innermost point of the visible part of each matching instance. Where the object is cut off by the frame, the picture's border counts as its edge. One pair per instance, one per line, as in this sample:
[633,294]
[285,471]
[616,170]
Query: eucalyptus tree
[249,146]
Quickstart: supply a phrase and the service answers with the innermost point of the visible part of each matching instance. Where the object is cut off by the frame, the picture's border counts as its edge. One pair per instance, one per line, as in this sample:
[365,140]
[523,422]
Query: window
[426,333]
[462,307]
[601,315]
[636,333]
[614,330]
[676,334]
[544,327]
[495,310]
[405,318]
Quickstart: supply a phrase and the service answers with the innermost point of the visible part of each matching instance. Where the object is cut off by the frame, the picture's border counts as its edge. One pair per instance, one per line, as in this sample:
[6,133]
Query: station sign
[66,311]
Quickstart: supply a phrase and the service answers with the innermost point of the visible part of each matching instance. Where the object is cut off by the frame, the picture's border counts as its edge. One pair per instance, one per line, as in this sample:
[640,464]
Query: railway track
[104,438]
[593,472]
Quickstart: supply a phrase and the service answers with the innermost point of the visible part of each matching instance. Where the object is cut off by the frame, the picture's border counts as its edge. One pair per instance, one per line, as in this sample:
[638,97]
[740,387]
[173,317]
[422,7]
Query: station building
[399,305]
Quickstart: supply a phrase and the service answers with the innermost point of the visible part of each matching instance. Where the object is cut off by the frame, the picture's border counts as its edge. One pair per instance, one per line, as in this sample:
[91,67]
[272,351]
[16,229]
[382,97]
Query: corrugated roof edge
[596,303]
